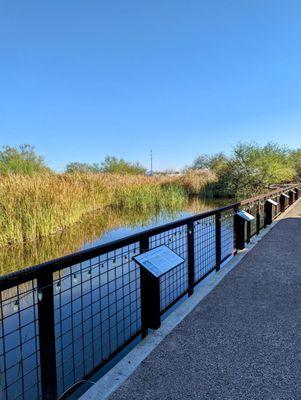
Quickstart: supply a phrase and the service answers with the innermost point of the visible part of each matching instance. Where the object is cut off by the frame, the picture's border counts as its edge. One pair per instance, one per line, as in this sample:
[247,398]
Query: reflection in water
[95,229]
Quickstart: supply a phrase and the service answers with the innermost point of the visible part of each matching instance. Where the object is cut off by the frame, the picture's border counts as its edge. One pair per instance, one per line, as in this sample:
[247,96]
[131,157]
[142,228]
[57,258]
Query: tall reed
[34,207]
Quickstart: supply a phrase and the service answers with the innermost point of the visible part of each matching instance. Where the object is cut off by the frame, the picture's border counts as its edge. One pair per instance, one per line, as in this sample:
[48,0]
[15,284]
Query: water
[94,229]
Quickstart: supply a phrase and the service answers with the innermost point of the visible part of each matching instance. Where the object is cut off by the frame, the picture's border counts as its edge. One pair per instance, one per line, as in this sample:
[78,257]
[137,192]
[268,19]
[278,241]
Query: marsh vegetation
[44,214]
[40,205]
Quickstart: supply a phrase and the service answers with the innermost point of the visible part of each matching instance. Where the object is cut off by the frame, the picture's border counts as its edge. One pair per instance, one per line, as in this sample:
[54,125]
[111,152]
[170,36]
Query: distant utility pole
[151,161]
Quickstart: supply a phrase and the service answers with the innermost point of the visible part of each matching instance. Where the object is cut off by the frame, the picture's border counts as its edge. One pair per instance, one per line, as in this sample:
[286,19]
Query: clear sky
[80,79]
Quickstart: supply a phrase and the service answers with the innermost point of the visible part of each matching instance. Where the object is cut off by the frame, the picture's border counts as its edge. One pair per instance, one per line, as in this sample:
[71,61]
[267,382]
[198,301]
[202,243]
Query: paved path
[243,341]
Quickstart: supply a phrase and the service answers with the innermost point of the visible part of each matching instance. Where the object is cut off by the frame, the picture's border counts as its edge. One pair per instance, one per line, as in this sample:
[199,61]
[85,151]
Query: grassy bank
[40,205]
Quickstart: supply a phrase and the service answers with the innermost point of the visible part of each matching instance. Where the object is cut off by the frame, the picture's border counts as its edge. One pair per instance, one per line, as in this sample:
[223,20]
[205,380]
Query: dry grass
[197,182]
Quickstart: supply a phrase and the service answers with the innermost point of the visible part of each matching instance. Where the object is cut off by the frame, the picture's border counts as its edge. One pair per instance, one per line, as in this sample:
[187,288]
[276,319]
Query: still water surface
[95,229]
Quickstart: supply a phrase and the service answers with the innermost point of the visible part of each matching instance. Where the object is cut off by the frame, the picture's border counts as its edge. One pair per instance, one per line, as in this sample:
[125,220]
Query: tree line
[24,160]
[248,170]
[251,168]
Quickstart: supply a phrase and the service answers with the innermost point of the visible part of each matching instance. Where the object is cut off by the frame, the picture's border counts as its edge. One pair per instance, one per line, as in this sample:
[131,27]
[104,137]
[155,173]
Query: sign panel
[285,195]
[294,191]
[159,260]
[245,215]
[272,202]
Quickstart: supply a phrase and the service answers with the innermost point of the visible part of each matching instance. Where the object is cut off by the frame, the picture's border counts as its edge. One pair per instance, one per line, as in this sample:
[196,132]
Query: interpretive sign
[272,202]
[245,215]
[154,264]
[285,195]
[159,260]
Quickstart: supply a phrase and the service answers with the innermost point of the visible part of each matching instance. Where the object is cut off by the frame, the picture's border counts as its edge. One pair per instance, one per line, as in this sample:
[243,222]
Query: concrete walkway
[243,341]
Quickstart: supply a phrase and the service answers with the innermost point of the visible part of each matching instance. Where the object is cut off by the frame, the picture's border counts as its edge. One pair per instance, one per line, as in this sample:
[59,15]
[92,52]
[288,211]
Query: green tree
[295,156]
[253,168]
[85,168]
[217,162]
[206,161]
[21,160]
[120,166]
[201,162]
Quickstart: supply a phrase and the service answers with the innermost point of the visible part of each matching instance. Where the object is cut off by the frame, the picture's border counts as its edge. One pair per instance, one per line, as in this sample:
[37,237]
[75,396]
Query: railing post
[235,210]
[291,197]
[145,290]
[190,247]
[144,244]
[218,239]
[47,335]
[297,193]
[258,217]
[248,239]
[264,212]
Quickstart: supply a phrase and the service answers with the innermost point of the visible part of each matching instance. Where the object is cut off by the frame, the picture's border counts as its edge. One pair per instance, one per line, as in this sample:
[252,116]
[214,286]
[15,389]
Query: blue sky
[80,79]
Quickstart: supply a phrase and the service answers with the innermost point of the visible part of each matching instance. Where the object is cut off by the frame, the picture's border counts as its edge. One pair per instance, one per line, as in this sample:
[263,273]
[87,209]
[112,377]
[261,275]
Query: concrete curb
[103,388]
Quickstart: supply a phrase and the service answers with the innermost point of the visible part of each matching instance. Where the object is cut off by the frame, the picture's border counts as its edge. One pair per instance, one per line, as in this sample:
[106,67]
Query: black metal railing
[63,320]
